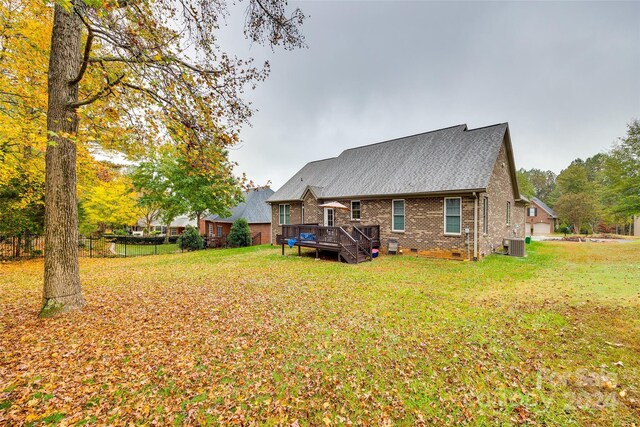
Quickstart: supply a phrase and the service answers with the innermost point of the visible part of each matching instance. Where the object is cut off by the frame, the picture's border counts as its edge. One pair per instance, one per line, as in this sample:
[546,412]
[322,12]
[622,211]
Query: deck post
[283,249]
[298,250]
[317,253]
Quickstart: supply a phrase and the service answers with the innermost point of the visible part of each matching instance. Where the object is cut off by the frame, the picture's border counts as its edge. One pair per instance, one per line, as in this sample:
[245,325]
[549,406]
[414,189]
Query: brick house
[447,193]
[253,209]
[541,219]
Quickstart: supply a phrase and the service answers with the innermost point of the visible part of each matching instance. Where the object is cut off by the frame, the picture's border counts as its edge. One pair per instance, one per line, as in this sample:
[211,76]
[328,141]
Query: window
[302,215]
[508,213]
[219,231]
[452,217]
[174,231]
[533,211]
[285,214]
[485,215]
[355,210]
[397,213]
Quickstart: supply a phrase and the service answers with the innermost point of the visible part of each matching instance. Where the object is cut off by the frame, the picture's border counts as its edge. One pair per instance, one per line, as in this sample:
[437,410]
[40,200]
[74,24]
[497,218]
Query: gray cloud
[564,75]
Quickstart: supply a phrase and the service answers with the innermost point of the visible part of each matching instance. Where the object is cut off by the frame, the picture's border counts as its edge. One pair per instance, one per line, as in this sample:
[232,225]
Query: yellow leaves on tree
[110,204]
[24,38]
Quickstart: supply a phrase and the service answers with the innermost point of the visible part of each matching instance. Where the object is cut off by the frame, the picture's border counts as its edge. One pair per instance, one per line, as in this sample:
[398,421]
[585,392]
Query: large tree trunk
[62,290]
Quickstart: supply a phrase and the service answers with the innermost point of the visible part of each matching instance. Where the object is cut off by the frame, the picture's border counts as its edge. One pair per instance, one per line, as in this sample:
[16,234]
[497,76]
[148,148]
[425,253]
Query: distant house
[541,219]
[446,193]
[254,209]
[176,227]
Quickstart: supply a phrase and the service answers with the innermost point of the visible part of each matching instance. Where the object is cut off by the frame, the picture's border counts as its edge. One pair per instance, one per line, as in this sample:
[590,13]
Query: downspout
[475,226]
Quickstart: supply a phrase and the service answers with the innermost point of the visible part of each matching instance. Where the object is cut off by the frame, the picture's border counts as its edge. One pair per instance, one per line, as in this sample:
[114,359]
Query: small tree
[240,234]
[190,239]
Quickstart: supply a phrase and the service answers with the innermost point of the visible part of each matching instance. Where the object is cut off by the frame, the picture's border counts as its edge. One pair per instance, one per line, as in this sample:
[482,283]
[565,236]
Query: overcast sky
[564,75]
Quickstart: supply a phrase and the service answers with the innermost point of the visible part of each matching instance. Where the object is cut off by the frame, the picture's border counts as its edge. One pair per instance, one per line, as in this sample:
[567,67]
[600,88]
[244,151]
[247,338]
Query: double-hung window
[285,215]
[355,210]
[533,211]
[452,215]
[397,221]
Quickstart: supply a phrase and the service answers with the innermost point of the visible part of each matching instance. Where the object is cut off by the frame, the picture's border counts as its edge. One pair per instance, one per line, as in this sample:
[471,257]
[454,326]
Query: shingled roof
[453,159]
[254,208]
[544,206]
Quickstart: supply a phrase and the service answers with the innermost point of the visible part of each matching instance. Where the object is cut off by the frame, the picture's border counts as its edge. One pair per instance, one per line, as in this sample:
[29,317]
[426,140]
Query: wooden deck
[353,247]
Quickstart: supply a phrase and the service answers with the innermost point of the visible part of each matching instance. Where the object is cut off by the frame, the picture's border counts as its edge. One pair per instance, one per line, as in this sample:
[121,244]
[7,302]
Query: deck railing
[354,245]
[319,234]
[371,231]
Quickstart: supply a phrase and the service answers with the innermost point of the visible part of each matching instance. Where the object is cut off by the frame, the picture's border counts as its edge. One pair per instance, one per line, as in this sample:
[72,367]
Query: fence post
[125,246]
[90,246]
[155,246]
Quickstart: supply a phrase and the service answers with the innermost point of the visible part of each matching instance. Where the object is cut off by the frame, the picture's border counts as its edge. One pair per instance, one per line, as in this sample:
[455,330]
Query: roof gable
[254,208]
[445,160]
[544,206]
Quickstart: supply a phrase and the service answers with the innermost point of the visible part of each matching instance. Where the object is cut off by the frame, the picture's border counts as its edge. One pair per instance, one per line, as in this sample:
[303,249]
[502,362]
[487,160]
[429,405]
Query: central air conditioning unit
[513,247]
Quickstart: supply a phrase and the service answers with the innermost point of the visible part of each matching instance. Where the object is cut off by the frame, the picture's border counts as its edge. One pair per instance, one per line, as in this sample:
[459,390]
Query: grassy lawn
[244,336]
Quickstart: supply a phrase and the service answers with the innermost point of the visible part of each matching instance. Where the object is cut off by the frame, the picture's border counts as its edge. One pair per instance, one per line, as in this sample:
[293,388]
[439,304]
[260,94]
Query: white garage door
[541,229]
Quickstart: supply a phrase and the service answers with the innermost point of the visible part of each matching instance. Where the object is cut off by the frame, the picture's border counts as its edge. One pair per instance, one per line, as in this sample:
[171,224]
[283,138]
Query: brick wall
[499,192]
[312,213]
[265,229]
[295,218]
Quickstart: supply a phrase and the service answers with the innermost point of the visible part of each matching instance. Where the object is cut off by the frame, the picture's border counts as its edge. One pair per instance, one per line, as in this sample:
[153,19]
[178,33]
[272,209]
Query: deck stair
[353,248]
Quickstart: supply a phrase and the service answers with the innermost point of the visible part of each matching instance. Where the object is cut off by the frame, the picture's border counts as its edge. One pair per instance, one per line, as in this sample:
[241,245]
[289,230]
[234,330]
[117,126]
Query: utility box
[514,247]
[392,247]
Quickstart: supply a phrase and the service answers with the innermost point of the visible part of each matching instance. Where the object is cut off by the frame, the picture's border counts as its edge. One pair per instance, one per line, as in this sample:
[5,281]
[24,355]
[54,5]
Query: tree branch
[87,51]
[104,91]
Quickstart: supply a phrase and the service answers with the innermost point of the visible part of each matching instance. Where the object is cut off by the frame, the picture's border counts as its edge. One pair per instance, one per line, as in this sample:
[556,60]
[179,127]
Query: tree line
[598,194]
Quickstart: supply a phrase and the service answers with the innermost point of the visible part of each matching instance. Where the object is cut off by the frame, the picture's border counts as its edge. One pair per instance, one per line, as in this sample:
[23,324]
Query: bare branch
[87,51]
[103,92]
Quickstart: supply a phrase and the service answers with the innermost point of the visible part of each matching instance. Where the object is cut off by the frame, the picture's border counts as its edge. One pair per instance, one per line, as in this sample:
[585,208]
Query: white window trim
[352,218]
[280,213]
[393,214]
[444,217]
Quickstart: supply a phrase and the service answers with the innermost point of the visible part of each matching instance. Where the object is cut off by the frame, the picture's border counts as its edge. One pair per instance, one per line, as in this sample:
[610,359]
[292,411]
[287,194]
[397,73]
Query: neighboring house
[254,209]
[541,219]
[176,227]
[447,193]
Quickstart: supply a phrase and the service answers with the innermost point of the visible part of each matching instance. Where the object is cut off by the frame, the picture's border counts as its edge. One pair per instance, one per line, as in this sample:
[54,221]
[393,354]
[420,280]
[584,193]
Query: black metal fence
[32,246]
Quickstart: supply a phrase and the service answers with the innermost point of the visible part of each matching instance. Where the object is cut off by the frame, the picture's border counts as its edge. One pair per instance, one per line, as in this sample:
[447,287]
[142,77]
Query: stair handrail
[354,241]
[367,238]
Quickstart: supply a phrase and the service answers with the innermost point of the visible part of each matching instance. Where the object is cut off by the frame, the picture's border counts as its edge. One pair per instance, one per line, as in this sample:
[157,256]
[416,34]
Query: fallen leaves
[255,338]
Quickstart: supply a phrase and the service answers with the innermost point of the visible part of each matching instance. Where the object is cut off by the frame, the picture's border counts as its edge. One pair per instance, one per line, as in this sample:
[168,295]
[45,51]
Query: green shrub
[120,232]
[240,234]
[190,239]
